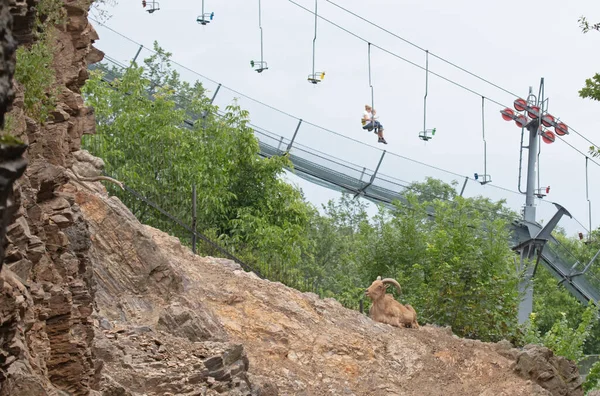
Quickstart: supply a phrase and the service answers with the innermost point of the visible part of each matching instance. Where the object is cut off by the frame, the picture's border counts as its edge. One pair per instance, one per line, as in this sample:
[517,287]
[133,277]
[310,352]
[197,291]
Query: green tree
[552,300]
[564,339]
[334,250]
[432,189]
[242,199]
[473,284]
[455,266]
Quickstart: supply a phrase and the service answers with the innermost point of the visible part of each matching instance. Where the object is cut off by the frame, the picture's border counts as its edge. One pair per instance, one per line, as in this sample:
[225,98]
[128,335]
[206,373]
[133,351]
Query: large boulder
[558,375]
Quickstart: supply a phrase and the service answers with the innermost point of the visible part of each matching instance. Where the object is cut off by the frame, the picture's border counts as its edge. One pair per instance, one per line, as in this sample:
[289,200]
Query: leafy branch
[586,26]
[34,69]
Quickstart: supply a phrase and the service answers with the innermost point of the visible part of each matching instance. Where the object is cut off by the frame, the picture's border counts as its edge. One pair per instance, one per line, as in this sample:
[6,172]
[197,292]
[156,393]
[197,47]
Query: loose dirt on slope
[302,344]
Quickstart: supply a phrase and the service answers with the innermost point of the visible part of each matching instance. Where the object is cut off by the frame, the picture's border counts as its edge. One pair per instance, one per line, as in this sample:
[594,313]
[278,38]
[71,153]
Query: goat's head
[377,288]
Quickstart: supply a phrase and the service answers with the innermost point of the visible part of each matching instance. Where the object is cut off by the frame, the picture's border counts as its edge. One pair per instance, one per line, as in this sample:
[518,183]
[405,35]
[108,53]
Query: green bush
[592,381]
[34,63]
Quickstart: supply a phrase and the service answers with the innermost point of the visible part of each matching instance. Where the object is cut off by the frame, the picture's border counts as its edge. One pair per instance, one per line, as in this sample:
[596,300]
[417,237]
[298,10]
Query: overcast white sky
[511,43]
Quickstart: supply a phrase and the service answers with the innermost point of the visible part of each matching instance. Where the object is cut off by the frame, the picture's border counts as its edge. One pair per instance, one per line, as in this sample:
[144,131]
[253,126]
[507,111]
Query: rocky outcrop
[140,360]
[23,13]
[554,373]
[12,166]
[47,300]
[7,61]
[198,325]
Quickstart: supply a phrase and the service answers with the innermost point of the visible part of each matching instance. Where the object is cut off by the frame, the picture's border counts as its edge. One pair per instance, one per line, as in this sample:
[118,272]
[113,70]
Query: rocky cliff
[46,300]
[93,302]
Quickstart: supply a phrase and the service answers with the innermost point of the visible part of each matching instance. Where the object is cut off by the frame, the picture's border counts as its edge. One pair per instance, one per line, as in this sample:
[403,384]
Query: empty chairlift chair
[427,134]
[152,6]
[205,18]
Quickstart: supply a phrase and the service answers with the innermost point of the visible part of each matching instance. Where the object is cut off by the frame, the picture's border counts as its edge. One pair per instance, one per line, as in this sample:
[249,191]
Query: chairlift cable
[395,55]
[420,48]
[104,25]
[421,67]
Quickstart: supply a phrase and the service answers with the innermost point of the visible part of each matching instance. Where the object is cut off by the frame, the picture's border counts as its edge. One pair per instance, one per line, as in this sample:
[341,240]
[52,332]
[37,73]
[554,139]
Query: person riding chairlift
[369,122]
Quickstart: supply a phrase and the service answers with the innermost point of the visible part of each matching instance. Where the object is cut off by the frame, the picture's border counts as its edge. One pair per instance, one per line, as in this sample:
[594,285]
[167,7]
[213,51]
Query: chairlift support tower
[535,119]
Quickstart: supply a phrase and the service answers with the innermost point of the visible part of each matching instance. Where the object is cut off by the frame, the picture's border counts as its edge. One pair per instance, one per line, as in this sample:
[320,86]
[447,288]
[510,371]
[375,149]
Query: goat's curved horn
[379,278]
[393,282]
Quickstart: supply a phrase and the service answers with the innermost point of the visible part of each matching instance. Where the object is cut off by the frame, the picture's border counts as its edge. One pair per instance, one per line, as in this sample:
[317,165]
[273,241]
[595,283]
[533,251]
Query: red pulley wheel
[520,104]
[547,120]
[561,129]
[548,137]
[521,121]
[508,114]
[534,112]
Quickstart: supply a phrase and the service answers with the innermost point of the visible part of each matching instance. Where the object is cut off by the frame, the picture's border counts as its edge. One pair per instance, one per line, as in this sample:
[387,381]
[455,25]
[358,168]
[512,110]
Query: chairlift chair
[154,6]
[316,77]
[205,18]
[427,134]
[259,66]
[483,179]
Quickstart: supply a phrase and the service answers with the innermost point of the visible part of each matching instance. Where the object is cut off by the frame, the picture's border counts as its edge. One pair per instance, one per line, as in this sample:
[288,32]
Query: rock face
[139,360]
[7,62]
[45,327]
[12,166]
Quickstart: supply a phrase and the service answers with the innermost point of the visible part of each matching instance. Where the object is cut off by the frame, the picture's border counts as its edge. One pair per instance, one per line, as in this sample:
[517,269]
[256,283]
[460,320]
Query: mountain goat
[387,310]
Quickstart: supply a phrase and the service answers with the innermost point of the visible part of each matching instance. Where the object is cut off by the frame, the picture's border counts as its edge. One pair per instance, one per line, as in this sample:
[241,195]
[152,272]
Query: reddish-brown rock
[47,301]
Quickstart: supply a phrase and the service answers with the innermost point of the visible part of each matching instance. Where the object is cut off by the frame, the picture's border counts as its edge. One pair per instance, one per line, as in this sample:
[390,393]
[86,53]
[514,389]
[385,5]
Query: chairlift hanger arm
[314,39]
[315,77]
[261,65]
[485,178]
[370,82]
[426,90]
[587,190]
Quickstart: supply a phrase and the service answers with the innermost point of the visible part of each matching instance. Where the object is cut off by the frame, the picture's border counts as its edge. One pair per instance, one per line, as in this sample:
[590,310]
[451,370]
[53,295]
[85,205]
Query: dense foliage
[241,198]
